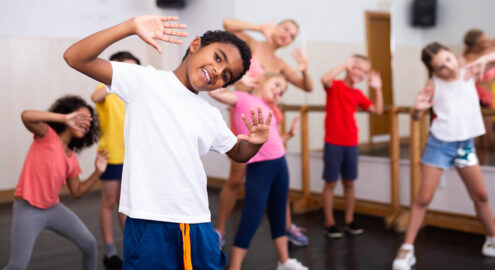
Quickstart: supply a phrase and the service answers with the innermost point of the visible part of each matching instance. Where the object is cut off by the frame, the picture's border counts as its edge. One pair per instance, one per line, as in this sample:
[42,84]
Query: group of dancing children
[159,181]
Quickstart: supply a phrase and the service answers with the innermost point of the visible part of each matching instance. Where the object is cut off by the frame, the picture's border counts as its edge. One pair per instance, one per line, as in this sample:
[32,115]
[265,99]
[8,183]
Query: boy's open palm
[151,28]
[259,130]
[375,80]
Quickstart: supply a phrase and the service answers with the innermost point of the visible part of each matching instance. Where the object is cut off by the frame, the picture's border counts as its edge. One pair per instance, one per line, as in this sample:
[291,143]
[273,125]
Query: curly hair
[429,52]
[225,37]
[124,55]
[68,104]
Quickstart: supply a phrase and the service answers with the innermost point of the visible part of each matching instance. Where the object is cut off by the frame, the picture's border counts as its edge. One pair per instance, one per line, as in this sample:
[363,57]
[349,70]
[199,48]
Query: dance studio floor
[376,249]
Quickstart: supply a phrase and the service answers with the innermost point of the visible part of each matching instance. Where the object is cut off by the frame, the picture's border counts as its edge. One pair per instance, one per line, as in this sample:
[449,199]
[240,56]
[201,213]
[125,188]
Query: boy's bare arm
[224,95]
[83,55]
[327,79]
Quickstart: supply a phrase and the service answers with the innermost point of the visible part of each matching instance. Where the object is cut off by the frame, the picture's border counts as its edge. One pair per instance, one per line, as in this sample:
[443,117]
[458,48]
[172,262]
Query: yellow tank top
[111,113]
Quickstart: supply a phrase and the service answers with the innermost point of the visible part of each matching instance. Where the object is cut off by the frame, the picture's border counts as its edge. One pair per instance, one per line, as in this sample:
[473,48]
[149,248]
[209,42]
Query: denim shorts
[340,160]
[444,155]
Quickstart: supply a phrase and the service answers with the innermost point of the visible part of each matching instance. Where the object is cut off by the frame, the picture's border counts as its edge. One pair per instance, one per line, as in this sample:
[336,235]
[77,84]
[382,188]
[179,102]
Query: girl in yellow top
[111,111]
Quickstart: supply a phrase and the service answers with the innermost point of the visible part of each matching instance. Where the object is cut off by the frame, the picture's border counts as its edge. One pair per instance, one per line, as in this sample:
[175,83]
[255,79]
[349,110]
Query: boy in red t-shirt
[341,135]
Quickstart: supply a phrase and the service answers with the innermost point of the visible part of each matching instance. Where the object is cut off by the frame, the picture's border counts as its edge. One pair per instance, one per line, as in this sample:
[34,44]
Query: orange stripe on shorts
[186,246]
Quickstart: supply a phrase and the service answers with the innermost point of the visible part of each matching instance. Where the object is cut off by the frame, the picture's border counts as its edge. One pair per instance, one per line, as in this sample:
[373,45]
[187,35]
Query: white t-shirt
[457,109]
[167,128]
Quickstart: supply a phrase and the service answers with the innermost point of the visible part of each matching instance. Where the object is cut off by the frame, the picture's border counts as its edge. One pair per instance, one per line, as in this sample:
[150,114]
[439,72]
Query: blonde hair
[471,39]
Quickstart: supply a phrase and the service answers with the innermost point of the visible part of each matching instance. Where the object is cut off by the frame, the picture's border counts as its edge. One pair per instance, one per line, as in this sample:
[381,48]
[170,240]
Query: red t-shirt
[340,124]
[45,171]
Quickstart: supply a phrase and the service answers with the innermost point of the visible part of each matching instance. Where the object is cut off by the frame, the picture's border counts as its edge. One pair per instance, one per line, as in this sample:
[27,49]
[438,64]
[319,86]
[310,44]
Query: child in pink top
[267,176]
[67,128]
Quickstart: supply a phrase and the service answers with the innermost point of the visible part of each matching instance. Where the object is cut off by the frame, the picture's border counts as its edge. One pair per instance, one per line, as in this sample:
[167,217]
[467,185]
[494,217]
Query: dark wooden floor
[376,249]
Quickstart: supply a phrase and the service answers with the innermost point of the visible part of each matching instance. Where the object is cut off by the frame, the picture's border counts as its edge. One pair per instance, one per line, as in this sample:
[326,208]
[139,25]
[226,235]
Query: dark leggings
[267,185]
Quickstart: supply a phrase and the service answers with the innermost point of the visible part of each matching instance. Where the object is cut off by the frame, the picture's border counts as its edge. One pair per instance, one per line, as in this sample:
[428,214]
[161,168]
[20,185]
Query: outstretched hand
[293,126]
[268,29]
[259,130]
[101,161]
[151,28]
[78,120]
[375,80]
[423,100]
[301,58]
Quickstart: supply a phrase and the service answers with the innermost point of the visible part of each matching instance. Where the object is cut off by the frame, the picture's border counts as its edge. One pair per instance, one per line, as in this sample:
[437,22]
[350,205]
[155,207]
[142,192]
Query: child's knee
[330,185]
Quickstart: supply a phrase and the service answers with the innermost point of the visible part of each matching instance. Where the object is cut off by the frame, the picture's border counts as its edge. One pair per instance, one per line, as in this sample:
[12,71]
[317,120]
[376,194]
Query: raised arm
[423,100]
[248,145]
[78,188]
[99,94]
[35,121]
[286,136]
[327,79]
[239,27]
[83,55]
[224,96]
[299,76]
[477,67]
[375,82]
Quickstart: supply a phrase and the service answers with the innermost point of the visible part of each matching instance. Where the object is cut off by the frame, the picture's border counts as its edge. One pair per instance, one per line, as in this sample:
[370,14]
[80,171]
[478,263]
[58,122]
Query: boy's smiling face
[212,66]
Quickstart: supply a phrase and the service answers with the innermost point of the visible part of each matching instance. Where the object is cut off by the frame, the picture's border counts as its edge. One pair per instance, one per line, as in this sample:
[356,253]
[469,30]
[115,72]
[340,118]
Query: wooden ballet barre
[306,202]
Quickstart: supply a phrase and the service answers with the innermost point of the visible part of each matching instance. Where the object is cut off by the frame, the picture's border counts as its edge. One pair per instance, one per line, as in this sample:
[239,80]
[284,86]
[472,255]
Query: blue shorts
[152,244]
[444,155]
[113,172]
[340,160]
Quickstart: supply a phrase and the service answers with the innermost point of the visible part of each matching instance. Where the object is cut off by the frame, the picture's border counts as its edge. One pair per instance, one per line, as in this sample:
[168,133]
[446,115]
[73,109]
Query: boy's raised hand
[151,28]
[375,80]
[259,130]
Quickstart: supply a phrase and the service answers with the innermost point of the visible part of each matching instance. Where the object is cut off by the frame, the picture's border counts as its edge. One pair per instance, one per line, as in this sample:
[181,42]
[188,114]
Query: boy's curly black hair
[68,104]
[225,37]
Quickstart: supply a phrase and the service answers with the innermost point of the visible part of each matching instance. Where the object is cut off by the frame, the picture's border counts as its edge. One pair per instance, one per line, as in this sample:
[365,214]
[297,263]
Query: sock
[490,238]
[407,247]
[110,250]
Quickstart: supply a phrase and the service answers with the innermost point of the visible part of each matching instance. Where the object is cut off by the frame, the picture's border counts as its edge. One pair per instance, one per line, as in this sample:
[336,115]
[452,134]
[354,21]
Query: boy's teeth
[206,74]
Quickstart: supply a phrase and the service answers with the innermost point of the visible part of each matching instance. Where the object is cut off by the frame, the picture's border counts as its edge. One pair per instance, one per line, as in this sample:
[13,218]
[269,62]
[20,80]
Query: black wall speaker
[424,12]
[171,3]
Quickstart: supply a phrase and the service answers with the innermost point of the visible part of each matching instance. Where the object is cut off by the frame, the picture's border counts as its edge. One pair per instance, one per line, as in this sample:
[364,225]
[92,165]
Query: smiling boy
[167,127]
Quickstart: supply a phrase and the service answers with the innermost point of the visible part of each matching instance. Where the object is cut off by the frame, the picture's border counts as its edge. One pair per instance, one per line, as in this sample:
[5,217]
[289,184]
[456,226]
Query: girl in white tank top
[450,143]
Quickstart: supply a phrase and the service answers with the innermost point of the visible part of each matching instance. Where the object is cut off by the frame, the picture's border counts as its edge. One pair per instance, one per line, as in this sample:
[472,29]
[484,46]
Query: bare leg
[288,218]
[430,177]
[110,193]
[282,248]
[228,195]
[238,255]
[473,179]
[121,216]
[349,195]
[328,189]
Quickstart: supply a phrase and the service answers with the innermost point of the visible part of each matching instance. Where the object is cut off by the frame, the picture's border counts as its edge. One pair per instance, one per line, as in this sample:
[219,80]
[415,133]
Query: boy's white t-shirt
[457,109]
[167,127]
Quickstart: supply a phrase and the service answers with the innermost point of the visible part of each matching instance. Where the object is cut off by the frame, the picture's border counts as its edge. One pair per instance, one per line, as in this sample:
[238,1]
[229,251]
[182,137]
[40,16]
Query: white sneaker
[291,264]
[488,248]
[404,260]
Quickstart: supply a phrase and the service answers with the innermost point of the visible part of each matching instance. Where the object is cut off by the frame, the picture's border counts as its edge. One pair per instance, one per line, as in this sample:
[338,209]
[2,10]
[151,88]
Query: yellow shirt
[111,114]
